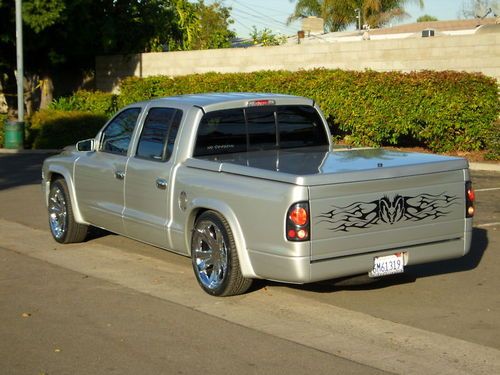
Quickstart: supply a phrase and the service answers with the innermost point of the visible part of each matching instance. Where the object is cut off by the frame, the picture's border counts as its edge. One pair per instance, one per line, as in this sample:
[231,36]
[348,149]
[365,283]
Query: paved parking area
[457,299]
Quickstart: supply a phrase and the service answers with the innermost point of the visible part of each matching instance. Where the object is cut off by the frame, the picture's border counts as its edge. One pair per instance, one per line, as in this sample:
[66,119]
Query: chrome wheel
[210,255]
[57,212]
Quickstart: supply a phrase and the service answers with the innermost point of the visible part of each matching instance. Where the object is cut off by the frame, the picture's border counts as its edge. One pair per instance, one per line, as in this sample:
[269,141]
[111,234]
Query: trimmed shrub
[54,129]
[443,111]
[3,118]
[493,144]
[88,101]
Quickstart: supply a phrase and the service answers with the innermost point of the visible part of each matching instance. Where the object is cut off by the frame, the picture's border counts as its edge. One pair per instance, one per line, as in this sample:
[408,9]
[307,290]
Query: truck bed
[321,166]
[367,201]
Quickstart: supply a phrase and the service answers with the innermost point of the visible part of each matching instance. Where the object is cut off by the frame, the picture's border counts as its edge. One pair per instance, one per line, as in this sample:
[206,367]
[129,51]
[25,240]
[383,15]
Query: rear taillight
[470,197]
[297,222]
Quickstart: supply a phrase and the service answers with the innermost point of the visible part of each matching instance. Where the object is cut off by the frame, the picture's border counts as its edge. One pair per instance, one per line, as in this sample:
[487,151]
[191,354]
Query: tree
[203,26]
[480,8]
[214,32]
[339,14]
[266,37]
[62,37]
[426,18]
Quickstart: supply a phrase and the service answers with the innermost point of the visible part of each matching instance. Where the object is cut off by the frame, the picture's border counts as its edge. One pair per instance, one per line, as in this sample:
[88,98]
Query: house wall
[470,53]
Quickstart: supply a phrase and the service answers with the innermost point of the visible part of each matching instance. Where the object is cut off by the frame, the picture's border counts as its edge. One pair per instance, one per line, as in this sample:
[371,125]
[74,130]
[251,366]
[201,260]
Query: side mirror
[86,145]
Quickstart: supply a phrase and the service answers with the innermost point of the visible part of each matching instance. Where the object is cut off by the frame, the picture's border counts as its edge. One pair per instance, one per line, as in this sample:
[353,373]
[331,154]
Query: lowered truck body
[250,186]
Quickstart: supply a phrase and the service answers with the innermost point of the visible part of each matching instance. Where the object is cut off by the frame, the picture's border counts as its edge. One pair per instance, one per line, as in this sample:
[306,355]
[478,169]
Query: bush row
[54,129]
[3,118]
[442,111]
[87,101]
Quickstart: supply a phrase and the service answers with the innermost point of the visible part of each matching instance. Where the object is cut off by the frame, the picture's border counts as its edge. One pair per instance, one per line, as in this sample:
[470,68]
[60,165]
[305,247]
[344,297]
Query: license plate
[387,265]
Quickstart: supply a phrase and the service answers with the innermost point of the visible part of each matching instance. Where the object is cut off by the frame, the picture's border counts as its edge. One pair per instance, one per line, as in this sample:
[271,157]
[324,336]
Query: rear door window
[158,134]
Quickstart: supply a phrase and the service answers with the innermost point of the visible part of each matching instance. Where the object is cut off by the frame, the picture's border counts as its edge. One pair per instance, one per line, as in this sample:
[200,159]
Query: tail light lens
[297,222]
[470,197]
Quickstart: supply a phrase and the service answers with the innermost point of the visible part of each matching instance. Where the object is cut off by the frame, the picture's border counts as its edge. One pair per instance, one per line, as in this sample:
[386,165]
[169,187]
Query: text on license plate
[387,265]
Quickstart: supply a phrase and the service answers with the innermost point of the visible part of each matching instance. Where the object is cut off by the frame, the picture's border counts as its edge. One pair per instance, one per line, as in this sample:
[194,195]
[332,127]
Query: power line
[260,14]
[269,20]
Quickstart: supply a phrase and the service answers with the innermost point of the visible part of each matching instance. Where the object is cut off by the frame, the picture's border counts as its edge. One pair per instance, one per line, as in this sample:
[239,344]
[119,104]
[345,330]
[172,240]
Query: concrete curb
[493,167]
[12,151]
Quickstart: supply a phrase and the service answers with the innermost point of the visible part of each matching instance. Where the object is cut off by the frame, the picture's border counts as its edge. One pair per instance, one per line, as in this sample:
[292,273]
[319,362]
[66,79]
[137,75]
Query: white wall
[470,53]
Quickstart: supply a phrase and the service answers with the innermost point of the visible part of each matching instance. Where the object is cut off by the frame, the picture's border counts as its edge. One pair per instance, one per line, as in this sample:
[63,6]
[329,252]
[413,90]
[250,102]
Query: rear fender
[239,238]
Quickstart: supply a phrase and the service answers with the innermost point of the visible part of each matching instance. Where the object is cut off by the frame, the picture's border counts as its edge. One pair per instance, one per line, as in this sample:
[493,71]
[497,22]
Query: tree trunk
[46,92]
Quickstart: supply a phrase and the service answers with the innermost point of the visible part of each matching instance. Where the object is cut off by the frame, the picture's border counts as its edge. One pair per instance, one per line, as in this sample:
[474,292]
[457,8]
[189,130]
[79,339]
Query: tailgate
[385,214]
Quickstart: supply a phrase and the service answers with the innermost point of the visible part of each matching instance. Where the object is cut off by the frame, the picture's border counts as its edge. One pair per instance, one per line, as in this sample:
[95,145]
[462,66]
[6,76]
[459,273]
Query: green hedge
[3,118]
[88,101]
[443,111]
[54,129]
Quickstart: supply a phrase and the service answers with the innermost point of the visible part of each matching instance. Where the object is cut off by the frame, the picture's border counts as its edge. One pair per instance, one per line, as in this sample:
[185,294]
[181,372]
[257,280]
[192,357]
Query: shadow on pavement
[412,273]
[20,169]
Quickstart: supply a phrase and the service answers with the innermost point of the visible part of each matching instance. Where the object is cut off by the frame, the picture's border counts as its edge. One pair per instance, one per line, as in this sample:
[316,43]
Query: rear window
[259,128]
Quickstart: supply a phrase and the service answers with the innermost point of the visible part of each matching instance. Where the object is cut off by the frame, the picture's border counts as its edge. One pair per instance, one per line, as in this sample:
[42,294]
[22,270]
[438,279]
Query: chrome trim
[57,213]
[210,254]
[161,183]
[120,175]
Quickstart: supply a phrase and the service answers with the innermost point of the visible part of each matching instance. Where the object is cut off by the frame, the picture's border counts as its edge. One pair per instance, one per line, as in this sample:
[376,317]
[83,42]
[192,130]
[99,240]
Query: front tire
[62,224]
[214,257]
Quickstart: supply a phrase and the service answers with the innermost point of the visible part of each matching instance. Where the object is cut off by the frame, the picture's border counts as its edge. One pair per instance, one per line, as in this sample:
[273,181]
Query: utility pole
[358,17]
[20,67]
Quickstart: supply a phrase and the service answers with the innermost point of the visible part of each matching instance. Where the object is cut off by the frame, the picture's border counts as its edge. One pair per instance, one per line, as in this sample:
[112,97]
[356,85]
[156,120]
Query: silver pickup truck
[250,186]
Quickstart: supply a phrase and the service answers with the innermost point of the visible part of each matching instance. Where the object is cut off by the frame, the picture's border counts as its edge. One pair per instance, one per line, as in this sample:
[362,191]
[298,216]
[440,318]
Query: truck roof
[217,101]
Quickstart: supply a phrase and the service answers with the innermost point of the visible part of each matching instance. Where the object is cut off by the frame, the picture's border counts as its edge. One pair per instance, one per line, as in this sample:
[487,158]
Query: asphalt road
[456,301]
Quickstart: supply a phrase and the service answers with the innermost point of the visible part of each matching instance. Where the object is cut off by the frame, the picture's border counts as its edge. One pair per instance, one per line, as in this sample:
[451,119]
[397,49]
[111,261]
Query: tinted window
[116,137]
[158,133]
[261,128]
[221,132]
[300,126]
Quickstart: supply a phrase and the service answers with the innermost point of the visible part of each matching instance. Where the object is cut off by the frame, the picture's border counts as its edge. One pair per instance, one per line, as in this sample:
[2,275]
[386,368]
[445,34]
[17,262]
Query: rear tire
[62,224]
[214,257]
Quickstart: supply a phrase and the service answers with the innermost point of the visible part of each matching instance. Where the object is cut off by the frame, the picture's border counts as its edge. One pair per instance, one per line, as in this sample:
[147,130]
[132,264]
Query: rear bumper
[301,270]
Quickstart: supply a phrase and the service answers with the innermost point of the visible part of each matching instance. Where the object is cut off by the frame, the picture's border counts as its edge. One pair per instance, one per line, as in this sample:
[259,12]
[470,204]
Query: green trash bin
[13,136]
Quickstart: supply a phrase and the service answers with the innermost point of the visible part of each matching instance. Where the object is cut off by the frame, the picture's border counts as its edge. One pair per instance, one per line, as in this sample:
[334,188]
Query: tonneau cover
[320,165]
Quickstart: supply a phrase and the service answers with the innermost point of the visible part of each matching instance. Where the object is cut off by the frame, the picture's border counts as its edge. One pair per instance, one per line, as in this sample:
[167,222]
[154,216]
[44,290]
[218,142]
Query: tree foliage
[214,32]
[480,8]
[62,37]
[202,26]
[266,37]
[340,14]
[426,18]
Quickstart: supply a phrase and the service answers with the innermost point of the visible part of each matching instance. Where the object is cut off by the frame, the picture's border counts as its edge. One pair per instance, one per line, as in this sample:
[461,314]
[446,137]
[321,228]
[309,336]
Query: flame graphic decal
[386,210]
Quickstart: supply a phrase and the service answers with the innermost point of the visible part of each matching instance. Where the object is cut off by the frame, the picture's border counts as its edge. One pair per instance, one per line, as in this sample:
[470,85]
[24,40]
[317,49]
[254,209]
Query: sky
[272,14]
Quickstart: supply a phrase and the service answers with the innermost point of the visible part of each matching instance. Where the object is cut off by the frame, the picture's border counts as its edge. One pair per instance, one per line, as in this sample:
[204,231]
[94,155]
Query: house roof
[454,25]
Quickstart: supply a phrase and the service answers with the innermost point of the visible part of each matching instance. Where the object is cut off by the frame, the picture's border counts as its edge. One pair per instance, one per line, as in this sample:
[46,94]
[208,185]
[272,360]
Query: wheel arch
[202,205]
[55,172]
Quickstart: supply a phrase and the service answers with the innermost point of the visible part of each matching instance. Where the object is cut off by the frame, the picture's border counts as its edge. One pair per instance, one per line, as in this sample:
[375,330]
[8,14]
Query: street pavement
[57,321]
[437,318]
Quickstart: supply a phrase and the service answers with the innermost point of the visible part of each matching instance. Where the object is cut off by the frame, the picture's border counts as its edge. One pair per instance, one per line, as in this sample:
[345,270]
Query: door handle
[119,175]
[161,183]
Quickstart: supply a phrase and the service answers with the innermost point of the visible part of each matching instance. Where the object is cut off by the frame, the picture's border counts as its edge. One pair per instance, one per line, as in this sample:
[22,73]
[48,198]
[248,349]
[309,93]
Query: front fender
[225,210]
[49,171]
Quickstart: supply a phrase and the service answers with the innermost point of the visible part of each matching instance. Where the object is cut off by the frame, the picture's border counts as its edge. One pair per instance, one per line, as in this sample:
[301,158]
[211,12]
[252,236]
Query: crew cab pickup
[250,186]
